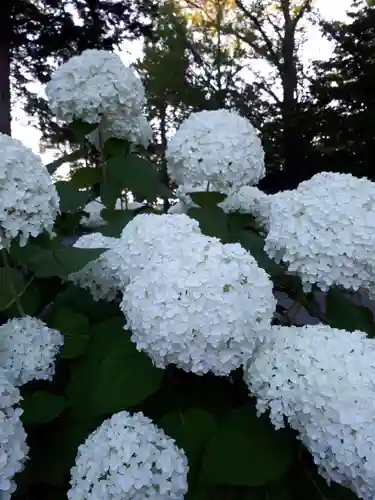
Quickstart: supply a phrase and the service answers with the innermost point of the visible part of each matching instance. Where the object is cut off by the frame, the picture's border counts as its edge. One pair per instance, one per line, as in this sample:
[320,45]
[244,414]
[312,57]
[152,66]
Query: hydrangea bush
[146,355]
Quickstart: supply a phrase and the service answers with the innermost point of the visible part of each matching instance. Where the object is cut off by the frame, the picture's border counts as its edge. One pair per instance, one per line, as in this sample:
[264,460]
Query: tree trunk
[5,39]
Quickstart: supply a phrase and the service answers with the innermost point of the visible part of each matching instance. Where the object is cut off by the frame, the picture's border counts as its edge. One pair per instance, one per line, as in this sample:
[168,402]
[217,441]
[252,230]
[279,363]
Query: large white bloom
[13,447]
[28,349]
[99,276]
[29,202]
[94,208]
[325,231]
[217,147]
[323,381]
[204,310]
[128,457]
[92,85]
[149,236]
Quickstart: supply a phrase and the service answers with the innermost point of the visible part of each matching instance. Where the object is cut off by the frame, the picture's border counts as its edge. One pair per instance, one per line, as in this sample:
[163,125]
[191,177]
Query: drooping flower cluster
[28,349]
[135,129]
[204,310]
[323,381]
[13,447]
[92,85]
[94,208]
[129,457]
[216,147]
[101,276]
[324,231]
[29,202]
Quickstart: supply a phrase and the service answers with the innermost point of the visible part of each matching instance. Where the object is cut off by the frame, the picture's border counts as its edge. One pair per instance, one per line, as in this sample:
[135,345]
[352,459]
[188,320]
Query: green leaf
[117,220]
[75,328]
[46,263]
[126,377]
[138,175]
[116,147]
[192,430]
[7,276]
[212,221]
[41,407]
[55,451]
[68,158]
[85,177]
[246,451]
[30,300]
[207,199]
[82,129]
[345,314]
[71,199]
[110,191]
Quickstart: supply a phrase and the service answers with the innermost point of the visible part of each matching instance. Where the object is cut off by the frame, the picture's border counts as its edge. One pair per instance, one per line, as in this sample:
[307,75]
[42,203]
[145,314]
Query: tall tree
[37,34]
[344,102]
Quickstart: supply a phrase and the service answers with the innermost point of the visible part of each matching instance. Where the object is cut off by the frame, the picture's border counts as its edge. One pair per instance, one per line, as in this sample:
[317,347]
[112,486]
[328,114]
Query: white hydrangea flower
[203,311]
[129,457]
[13,447]
[99,276]
[248,200]
[29,202]
[150,236]
[135,129]
[219,147]
[323,381]
[94,84]
[28,349]
[324,231]
[94,208]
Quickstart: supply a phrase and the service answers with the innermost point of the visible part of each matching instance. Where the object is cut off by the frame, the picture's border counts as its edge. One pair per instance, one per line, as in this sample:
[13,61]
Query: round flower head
[323,381]
[134,129]
[93,85]
[99,276]
[325,231]
[217,147]
[149,236]
[94,208]
[29,202]
[28,349]
[204,311]
[129,457]
[13,447]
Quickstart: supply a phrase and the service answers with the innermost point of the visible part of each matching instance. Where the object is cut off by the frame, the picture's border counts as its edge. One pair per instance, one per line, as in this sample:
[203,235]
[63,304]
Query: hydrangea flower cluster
[323,381]
[28,349]
[216,147]
[324,231]
[135,129]
[129,457]
[150,236]
[100,276]
[94,84]
[13,447]
[29,202]
[94,208]
[203,311]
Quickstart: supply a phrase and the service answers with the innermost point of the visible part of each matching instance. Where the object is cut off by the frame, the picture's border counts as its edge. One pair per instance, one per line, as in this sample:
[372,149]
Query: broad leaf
[82,129]
[207,199]
[85,177]
[246,451]
[212,221]
[7,293]
[71,199]
[75,328]
[68,158]
[110,191]
[117,220]
[41,407]
[344,313]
